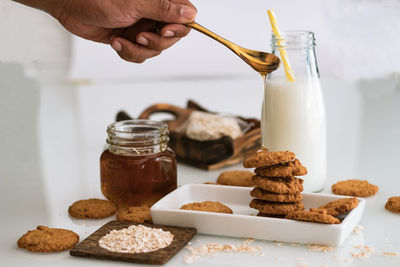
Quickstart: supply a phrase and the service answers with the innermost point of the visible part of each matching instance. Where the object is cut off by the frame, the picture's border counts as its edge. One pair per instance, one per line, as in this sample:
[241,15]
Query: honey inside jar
[137,167]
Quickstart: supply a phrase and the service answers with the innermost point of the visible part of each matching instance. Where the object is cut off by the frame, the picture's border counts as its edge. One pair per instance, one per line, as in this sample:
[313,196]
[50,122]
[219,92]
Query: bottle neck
[299,47]
[137,137]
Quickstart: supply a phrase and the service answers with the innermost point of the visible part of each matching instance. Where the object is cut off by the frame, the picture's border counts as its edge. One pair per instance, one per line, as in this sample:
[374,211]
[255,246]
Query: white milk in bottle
[293,116]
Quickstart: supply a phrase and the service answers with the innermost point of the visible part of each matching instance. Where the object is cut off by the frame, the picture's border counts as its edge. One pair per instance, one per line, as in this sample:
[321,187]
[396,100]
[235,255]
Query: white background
[58,93]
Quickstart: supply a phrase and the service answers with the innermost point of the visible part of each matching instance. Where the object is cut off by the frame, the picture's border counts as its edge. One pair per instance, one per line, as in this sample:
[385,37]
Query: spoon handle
[215,36]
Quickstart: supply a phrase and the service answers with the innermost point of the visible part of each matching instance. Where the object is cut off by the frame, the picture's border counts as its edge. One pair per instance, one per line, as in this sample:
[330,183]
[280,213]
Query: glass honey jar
[137,168]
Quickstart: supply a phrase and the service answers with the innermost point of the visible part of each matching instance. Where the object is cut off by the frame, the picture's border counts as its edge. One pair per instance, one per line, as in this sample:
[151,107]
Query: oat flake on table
[136,239]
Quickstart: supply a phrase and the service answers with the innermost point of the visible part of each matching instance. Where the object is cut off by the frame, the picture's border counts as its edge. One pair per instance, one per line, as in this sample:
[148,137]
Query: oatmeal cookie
[92,208]
[313,215]
[280,185]
[287,169]
[340,206]
[210,206]
[355,188]
[279,208]
[393,204]
[263,157]
[270,196]
[134,214]
[236,178]
[45,239]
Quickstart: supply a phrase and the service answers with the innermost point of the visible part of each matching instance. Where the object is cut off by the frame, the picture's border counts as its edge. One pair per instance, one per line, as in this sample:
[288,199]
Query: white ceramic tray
[243,222]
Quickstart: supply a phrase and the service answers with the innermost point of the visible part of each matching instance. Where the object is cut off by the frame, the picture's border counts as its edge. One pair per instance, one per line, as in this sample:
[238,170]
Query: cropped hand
[132,27]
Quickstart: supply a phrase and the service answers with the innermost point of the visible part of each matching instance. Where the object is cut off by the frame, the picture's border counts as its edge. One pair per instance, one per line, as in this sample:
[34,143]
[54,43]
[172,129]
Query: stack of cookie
[277,191]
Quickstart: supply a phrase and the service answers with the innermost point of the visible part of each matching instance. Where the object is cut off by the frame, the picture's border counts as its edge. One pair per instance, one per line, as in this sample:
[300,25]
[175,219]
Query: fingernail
[168,34]
[188,13]
[117,46]
[143,41]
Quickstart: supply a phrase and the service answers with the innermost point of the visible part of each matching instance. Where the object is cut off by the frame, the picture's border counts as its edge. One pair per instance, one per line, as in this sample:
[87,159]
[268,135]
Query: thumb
[167,11]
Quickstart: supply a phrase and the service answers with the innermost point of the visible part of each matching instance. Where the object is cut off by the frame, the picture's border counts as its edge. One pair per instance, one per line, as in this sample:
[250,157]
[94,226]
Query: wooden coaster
[90,246]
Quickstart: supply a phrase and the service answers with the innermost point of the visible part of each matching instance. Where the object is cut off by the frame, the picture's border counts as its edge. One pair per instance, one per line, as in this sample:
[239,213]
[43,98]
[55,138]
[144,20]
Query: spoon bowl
[261,62]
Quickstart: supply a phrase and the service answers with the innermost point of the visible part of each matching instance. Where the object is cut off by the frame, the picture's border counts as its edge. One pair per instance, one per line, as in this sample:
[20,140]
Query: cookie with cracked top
[92,208]
[263,157]
[235,178]
[134,214]
[270,196]
[287,169]
[355,188]
[313,215]
[393,204]
[280,185]
[277,208]
[340,206]
[44,239]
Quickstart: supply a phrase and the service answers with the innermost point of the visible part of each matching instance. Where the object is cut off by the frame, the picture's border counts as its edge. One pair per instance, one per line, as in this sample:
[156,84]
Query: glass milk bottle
[293,115]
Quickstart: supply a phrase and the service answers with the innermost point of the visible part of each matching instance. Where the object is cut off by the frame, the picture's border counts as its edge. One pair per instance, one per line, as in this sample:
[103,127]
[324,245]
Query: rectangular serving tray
[244,222]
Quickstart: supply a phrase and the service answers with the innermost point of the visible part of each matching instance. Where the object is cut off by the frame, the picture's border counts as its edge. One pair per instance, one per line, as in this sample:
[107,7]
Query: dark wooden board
[90,246]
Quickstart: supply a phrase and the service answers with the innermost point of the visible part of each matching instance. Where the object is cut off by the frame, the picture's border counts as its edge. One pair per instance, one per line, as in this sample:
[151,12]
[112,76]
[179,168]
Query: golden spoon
[262,62]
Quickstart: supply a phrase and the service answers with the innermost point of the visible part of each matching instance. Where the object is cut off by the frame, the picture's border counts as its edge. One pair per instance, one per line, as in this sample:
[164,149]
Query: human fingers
[174,30]
[143,25]
[132,52]
[166,10]
[155,42]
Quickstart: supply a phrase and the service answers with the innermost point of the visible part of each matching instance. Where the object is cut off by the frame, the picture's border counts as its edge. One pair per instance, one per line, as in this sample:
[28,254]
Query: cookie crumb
[357,246]
[365,252]
[136,239]
[213,248]
[190,258]
[358,230]
[278,243]
[320,248]
[392,254]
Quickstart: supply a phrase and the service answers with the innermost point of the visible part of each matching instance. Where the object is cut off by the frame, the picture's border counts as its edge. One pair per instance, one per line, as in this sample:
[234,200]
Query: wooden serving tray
[209,155]
[90,246]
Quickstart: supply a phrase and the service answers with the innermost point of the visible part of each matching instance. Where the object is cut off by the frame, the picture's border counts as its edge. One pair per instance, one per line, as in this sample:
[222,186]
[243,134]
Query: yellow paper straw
[282,51]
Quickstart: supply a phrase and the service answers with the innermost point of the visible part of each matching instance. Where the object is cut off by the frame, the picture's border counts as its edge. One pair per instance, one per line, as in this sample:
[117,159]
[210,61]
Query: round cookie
[269,196]
[355,188]
[134,214]
[235,178]
[92,208]
[263,157]
[340,206]
[393,204]
[45,239]
[288,169]
[280,185]
[314,215]
[279,208]
[209,206]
